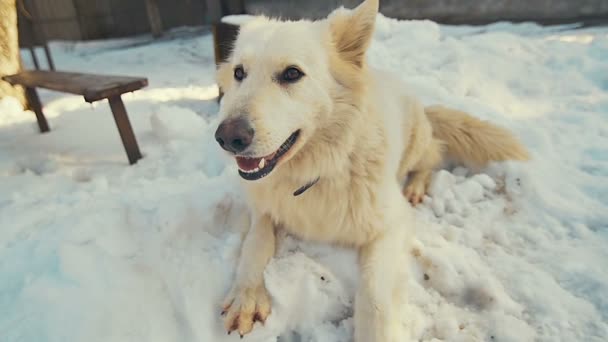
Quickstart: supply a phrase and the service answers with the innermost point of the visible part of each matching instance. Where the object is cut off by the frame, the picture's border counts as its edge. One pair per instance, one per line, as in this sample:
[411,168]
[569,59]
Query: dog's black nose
[234,135]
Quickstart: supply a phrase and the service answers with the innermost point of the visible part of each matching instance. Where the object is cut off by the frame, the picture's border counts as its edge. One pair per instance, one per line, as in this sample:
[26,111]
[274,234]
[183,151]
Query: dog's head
[281,82]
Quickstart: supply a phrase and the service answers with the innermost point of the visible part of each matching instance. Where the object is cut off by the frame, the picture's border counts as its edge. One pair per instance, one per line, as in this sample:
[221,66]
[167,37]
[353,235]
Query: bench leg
[124,128]
[34,101]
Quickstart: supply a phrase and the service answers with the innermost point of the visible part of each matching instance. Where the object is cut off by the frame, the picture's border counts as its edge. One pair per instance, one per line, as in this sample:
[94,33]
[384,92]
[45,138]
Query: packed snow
[92,249]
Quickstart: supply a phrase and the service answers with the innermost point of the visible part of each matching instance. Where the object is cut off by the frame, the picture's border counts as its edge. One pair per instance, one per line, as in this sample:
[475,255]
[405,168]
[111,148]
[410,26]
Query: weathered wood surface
[448,11]
[124,129]
[154,18]
[92,87]
[36,106]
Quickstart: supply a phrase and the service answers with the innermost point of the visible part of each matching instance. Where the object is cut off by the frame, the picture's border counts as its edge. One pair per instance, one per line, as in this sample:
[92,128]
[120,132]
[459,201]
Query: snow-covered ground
[92,249]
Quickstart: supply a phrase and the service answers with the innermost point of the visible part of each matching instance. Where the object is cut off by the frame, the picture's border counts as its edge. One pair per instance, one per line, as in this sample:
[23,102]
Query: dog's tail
[472,141]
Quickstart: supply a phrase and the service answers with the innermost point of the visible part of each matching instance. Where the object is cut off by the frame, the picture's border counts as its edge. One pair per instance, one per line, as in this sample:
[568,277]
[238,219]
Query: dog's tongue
[248,164]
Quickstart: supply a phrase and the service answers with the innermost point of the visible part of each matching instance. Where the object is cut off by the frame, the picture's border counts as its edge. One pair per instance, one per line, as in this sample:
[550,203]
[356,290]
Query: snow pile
[94,250]
[12,112]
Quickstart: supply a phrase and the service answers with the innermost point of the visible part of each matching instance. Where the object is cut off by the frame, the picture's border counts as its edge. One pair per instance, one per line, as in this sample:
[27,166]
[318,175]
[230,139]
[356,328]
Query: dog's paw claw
[414,193]
[244,307]
[258,318]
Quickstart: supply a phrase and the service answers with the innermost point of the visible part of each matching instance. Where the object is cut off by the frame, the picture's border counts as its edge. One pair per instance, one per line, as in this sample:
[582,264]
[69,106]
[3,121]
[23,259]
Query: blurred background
[95,248]
[99,19]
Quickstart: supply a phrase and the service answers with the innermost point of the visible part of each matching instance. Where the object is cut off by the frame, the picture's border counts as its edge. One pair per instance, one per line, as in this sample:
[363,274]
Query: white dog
[324,142]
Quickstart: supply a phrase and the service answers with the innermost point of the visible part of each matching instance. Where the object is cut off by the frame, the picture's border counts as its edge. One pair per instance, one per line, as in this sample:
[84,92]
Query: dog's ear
[352,30]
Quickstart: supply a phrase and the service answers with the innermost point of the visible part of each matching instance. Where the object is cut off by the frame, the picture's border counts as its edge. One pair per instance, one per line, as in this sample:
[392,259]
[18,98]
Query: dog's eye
[291,75]
[239,73]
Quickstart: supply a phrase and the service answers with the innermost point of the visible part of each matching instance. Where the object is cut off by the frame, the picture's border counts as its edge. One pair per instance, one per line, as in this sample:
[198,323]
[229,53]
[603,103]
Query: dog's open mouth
[256,168]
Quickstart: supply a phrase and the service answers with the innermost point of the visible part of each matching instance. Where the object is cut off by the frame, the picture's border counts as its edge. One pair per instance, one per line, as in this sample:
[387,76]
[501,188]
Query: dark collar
[305,187]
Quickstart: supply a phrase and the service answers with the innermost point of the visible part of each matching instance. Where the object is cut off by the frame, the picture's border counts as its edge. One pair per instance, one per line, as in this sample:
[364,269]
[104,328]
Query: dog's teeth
[262,163]
[250,171]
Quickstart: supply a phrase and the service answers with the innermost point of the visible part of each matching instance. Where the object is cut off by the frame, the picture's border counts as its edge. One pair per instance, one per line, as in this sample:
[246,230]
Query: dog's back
[420,139]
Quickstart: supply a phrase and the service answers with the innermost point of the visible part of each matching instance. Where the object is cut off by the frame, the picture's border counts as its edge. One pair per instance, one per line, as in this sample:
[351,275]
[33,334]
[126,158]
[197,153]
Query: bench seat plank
[93,87]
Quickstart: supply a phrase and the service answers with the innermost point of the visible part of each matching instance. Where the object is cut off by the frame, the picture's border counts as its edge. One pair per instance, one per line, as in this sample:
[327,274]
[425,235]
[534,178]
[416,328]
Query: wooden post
[124,129]
[34,102]
[34,58]
[47,52]
[214,10]
[38,37]
[154,18]
[233,7]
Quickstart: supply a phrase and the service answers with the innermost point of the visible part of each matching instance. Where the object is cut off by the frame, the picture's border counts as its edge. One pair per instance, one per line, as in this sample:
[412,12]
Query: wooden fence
[98,19]
[449,11]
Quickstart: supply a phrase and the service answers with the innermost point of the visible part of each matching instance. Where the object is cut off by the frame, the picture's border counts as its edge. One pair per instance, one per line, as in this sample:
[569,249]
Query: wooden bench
[93,88]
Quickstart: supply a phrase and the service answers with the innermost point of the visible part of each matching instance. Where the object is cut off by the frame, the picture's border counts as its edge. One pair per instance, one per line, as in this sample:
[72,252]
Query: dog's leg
[248,301]
[381,292]
[416,187]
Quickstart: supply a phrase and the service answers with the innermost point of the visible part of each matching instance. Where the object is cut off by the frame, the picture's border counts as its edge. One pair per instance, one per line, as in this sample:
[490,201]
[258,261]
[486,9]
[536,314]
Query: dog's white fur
[361,135]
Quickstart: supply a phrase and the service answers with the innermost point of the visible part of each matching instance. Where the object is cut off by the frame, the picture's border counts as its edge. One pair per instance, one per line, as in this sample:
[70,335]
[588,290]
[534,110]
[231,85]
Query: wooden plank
[34,58]
[92,8]
[124,129]
[154,17]
[67,29]
[51,9]
[129,18]
[49,58]
[214,10]
[92,87]
[234,7]
[94,18]
[34,102]
[182,13]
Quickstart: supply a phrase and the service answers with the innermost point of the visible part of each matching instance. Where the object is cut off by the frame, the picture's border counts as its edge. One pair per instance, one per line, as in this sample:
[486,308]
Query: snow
[92,249]
[237,19]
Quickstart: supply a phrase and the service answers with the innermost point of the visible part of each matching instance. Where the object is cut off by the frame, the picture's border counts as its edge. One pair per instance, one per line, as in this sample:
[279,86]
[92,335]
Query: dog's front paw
[243,307]
[414,192]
